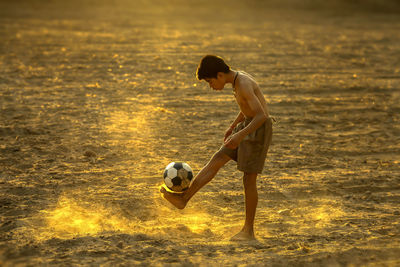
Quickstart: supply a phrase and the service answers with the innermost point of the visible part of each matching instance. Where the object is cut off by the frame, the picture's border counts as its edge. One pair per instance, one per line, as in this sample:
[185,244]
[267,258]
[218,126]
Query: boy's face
[216,83]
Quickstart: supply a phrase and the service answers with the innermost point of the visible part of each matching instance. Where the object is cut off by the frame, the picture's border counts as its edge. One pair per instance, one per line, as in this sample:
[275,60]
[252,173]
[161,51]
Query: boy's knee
[219,156]
[219,159]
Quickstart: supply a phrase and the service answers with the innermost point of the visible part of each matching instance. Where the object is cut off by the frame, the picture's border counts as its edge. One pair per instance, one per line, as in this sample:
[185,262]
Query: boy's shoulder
[246,80]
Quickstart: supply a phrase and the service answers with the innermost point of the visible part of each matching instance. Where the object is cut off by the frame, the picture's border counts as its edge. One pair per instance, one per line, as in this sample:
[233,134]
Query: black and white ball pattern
[177,176]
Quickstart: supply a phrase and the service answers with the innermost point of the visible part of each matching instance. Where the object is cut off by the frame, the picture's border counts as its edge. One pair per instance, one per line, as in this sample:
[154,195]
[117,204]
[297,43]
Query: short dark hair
[209,67]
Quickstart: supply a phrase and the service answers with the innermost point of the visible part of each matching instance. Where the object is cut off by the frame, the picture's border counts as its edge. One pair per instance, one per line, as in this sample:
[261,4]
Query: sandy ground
[96,98]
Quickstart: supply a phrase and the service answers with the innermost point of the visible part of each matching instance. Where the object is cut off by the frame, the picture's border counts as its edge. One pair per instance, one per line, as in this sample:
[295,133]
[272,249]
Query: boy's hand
[228,133]
[233,141]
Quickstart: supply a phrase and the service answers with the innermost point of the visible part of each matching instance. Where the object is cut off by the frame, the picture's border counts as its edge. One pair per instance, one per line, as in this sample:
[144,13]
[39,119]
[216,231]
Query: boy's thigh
[252,152]
[250,156]
[232,153]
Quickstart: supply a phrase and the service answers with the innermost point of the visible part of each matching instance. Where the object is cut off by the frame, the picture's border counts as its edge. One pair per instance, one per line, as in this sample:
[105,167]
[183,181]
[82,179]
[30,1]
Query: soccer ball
[177,176]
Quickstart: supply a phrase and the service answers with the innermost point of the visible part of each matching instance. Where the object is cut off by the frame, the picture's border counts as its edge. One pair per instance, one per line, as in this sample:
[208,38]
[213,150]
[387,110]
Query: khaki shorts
[251,153]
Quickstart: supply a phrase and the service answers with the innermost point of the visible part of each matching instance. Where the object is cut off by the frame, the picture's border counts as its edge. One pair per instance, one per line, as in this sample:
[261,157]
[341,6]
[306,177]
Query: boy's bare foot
[243,236]
[175,199]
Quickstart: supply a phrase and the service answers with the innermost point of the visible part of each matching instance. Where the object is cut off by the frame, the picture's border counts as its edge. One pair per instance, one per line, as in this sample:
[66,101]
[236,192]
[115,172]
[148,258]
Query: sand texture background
[97,97]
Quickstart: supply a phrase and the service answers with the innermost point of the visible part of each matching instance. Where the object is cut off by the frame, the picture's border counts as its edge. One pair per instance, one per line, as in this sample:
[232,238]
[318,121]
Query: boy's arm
[239,118]
[259,118]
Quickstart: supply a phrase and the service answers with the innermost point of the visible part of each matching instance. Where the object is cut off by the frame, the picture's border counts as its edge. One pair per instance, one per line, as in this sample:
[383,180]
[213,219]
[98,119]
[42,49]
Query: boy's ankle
[248,230]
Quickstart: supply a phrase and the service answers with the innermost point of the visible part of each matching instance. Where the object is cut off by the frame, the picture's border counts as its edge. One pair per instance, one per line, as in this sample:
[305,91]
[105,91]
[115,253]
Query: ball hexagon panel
[170,165]
[186,167]
[172,172]
[182,173]
[185,183]
[168,182]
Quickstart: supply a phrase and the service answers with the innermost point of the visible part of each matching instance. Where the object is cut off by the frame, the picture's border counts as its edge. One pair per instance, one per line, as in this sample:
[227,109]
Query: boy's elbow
[263,117]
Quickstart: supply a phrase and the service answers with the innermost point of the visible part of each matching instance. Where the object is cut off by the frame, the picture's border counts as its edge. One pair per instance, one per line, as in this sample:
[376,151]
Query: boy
[246,141]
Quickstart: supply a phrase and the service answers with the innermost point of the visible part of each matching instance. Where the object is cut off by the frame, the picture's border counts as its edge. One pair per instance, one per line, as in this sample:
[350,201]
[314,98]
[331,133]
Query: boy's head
[211,69]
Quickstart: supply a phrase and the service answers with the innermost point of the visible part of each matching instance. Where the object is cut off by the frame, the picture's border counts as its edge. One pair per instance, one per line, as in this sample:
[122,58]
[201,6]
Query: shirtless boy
[246,141]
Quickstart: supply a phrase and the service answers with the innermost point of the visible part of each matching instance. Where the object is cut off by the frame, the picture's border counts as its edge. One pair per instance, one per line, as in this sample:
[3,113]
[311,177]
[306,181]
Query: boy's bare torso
[245,80]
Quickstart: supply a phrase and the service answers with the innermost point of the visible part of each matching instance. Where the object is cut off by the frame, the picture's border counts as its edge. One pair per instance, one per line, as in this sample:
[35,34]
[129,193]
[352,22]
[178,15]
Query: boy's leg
[208,172]
[251,197]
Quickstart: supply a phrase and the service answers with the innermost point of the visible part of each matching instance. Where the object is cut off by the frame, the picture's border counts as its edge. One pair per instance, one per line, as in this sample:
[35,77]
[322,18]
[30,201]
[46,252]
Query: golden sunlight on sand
[71,218]
[76,218]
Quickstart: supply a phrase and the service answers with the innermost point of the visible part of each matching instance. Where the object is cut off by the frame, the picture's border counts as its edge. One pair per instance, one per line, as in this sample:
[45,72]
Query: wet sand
[96,98]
